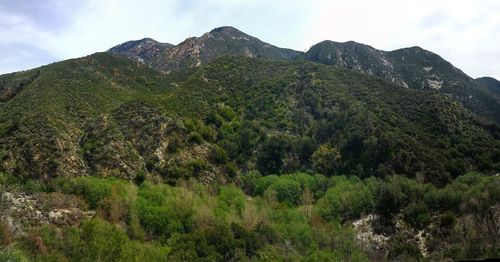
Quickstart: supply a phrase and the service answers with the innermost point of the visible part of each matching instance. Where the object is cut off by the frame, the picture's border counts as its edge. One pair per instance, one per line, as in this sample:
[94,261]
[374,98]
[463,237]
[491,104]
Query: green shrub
[162,211]
[326,159]
[231,197]
[389,199]
[195,137]
[12,255]
[417,214]
[6,179]
[347,199]
[287,190]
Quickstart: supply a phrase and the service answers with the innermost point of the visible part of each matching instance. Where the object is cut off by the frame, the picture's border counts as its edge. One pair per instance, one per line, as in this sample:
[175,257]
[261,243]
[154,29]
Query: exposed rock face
[20,210]
[194,51]
[143,50]
[366,236]
[372,242]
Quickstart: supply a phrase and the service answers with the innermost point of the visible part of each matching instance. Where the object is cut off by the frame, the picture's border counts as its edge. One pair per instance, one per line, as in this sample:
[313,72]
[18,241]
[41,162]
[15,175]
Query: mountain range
[220,105]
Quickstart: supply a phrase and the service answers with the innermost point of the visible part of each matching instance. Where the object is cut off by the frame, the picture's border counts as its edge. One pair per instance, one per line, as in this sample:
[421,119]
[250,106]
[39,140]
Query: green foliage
[417,214]
[95,240]
[224,119]
[231,197]
[389,199]
[346,199]
[287,190]
[195,137]
[162,211]
[326,159]
[192,221]
[292,226]
[6,179]
[275,116]
[12,255]
[270,157]
[92,189]
[404,251]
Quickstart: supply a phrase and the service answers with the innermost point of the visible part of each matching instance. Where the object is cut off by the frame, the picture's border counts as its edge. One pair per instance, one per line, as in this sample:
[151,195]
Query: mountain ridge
[410,67]
[194,51]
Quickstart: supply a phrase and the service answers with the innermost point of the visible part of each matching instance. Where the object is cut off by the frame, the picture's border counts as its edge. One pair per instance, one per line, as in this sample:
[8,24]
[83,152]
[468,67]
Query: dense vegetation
[289,217]
[235,115]
[415,68]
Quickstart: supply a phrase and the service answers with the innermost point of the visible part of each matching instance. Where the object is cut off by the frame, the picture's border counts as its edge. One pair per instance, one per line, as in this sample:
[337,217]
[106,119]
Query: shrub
[270,156]
[195,137]
[417,214]
[163,210]
[388,199]
[347,199]
[287,190]
[326,159]
[12,255]
[231,197]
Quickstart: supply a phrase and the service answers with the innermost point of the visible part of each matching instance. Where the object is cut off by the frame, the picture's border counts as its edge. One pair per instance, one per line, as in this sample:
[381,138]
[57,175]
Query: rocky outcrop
[20,210]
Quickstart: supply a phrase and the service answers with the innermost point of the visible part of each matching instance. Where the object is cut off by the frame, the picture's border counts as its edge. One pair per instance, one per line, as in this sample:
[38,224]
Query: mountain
[412,67]
[226,156]
[107,115]
[194,51]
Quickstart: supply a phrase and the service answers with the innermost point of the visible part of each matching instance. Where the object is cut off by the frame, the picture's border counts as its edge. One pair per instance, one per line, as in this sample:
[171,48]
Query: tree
[270,157]
[326,159]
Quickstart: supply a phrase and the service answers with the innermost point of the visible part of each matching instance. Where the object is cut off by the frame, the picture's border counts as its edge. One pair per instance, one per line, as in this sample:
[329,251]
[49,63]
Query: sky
[38,32]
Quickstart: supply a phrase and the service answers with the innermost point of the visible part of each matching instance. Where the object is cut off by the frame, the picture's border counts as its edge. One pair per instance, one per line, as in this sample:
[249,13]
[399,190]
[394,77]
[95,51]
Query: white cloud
[464,32]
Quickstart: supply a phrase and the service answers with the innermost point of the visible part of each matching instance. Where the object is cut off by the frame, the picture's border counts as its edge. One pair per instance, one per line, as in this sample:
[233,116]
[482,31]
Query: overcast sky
[465,32]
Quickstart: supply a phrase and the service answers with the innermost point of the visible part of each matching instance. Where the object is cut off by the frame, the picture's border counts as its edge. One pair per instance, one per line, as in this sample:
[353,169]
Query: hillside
[412,67]
[106,115]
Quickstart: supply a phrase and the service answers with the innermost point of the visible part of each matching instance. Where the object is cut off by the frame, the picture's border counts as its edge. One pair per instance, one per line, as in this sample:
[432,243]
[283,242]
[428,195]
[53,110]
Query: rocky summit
[194,51]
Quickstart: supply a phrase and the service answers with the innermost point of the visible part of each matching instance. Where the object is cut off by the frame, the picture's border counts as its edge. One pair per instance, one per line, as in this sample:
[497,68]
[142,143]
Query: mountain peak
[225,29]
[194,51]
[228,31]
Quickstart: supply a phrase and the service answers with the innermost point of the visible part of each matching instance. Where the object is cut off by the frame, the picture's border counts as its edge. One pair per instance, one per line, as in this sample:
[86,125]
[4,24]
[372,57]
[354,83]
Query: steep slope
[413,67]
[58,124]
[379,128]
[109,116]
[222,41]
